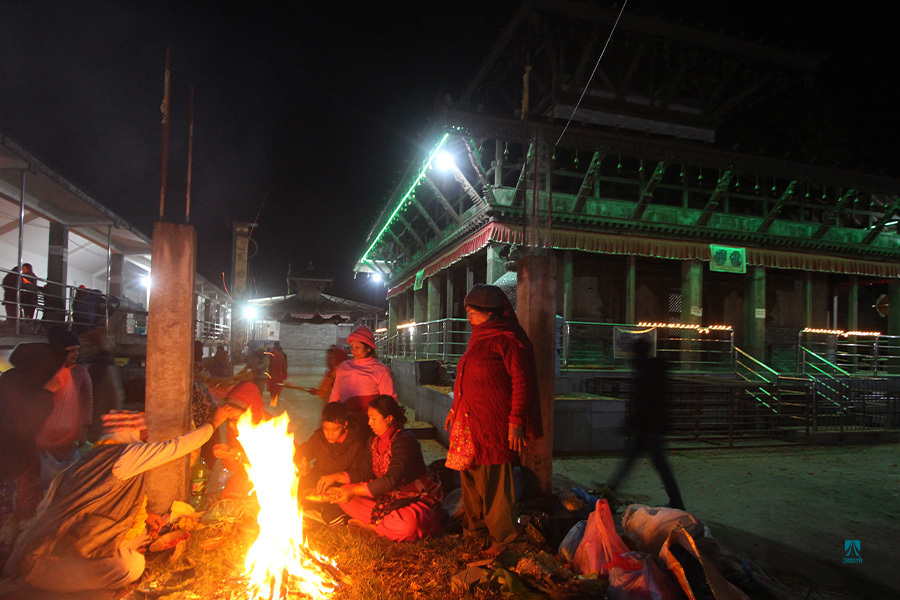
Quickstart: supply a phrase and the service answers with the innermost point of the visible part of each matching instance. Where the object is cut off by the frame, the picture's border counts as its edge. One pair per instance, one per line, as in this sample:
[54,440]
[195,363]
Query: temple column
[568,279]
[435,329]
[691,308]
[496,266]
[754,342]
[420,303]
[630,287]
[536,310]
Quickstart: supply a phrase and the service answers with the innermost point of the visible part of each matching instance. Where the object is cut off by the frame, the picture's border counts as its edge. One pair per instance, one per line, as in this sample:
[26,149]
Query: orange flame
[275,563]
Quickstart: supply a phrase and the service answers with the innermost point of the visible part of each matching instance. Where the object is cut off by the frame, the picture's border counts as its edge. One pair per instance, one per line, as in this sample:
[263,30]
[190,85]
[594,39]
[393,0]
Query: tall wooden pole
[164,165]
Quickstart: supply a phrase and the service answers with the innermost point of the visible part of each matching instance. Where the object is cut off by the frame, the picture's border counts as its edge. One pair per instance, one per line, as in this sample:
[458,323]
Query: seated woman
[392,493]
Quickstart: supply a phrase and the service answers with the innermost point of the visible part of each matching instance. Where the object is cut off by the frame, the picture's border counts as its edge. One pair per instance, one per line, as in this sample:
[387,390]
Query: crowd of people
[69,441]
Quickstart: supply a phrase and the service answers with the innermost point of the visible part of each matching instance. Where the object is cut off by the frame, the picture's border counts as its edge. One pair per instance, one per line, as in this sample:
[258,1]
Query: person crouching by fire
[93,520]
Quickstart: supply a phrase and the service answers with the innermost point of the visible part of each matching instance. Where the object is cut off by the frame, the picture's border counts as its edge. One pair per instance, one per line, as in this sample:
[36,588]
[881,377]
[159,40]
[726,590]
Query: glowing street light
[250,312]
[377,278]
[444,161]
[146,281]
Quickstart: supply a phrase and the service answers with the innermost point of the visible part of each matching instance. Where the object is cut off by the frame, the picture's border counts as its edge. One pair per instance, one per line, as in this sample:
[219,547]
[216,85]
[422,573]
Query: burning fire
[278,564]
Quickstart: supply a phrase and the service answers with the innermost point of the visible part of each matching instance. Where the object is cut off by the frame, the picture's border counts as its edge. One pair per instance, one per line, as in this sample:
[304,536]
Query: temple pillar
[630,287]
[536,310]
[496,266]
[754,342]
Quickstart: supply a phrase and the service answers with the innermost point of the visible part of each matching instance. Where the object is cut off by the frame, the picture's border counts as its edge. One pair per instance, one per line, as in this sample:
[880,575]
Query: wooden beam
[519,194]
[882,222]
[832,218]
[442,199]
[425,215]
[647,192]
[776,210]
[587,185]
[411,231]
[475,159]
[467,187]
[713,203]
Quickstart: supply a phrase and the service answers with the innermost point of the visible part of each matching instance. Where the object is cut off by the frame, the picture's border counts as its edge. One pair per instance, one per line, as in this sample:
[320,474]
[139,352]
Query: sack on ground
[652,581]
[601,547]
[695,571]
[649,527]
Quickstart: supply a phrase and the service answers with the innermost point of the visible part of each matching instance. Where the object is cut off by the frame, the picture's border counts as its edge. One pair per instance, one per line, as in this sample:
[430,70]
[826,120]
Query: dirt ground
[789,510]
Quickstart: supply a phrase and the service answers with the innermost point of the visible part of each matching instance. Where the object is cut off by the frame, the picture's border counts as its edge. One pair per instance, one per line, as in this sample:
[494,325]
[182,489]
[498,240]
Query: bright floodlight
[250,312]
[444,161]
[376,277]
[146,281]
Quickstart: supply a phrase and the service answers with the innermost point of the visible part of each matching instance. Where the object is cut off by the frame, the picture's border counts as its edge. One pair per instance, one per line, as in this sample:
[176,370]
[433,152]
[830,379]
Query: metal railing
[844,401]
[875,355]
[588,344]
[445,339]
[81,309]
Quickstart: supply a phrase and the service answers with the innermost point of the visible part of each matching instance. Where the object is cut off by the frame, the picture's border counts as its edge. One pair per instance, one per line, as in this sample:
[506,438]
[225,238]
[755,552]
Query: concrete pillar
[470,276]
[754,342]
[393,308]
[692,291]
[117,321]
[435,341]
[420,306]
[170,338]
[630,287]
[451,297]
[496,266]
[536,310]
[568,280]
[691,309]
[57,273]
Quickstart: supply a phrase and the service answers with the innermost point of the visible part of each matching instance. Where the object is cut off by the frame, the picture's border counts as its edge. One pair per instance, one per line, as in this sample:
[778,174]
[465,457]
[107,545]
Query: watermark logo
[851,552]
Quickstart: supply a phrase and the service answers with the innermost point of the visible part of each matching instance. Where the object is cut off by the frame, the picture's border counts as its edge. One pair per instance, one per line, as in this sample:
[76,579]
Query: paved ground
[788,509]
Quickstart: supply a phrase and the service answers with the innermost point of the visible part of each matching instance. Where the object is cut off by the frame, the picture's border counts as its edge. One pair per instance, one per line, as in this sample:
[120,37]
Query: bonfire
[279,565]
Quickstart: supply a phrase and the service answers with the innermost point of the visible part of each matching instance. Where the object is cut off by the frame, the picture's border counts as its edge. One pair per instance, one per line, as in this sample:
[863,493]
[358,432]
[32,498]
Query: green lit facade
[636,192]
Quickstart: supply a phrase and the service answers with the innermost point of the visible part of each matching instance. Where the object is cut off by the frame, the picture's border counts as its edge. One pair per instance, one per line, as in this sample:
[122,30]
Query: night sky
[305,113]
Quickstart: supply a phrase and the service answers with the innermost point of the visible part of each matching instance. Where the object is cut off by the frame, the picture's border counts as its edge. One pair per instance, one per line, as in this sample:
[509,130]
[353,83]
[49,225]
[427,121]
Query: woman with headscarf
[359,380]
[495,396]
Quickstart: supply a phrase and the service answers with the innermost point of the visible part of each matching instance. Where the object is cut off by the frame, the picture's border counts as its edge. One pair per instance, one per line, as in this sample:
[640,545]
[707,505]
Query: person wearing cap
[242,397]
[496,391]
[93,520]
[73,408]
[359,380]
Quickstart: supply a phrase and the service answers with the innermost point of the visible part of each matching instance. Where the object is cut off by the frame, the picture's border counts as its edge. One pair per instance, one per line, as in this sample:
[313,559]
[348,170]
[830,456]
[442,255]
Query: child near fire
[338,445]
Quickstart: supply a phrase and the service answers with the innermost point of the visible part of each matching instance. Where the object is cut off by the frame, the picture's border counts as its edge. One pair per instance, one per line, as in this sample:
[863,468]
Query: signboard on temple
[727,259]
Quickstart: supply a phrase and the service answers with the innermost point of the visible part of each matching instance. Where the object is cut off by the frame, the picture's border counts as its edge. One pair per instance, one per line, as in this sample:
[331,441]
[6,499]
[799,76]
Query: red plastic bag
[601,548]
[651,582]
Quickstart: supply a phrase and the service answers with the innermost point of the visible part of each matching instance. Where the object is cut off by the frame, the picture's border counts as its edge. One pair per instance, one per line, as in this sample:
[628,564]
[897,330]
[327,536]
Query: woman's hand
[516,438]
[448,422]
[342,495]
[326,481]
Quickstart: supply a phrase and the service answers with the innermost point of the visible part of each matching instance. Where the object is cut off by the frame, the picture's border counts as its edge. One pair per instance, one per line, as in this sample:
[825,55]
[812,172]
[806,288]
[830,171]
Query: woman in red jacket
[496,391]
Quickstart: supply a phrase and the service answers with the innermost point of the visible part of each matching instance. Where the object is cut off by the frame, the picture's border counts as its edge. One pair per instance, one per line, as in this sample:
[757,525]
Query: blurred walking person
[648,421]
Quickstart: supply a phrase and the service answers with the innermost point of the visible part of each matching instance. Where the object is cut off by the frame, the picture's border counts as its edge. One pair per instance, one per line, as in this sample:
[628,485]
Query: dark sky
[304,111]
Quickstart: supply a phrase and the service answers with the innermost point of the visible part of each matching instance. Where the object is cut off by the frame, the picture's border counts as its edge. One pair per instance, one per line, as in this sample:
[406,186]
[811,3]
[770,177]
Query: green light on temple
[408,193]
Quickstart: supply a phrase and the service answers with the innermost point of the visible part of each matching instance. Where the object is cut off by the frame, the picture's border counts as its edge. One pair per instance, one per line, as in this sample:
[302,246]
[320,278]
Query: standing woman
[495,396]
[358,381]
